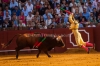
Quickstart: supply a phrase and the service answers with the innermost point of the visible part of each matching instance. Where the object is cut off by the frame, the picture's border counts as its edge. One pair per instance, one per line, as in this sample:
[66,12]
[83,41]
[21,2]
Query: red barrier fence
[89,34]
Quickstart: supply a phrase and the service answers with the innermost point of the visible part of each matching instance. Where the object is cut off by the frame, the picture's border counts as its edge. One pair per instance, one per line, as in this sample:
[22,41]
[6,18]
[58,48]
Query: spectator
[37,16]
[7,10]
[1,20]
[90,7]
[1,11]
[13,3]
[14,21]
[92,18]
[29,6]
[25,11]
[16,10]
[80,17]
[5,2]
[98,19]
[22,18]
[57,9]
[57,19]
[63,19]
[43,26]
[29,20]
[91,25]
[47,14]
[50,10]
[22,3]
[86,14]
[7,20]
[42,10]
[48,21]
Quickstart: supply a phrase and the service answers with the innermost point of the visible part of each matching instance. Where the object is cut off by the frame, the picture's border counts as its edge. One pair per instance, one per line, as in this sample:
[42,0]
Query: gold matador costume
[74,25]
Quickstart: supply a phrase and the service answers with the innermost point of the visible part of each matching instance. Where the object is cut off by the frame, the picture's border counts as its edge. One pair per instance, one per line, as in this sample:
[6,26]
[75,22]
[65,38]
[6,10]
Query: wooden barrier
[88,34]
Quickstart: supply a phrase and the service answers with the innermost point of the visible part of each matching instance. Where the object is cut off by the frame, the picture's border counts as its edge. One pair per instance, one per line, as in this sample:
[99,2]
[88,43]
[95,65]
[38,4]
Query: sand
[75,57]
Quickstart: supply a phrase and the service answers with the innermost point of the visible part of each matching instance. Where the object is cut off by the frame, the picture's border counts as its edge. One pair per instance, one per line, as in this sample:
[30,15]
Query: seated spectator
[72,3]
[98,19]
[25,11]
[90,24]
[98,6]
[41,19]
[92,18]
[61,12]
[67,25]
[90,7]
[22,3]
[63,19]
[57,18]
[66,7]
[7,10]
[80,17]
[48,21]
[54,24]
[46,14]
[7,20]
[63,3]
[1,11]
[81,7]
[76,14]
[14,21]
[29,6]
[98,25]
[1,20]
[37,16]
[22,17]
[83,22]
[43,26]
[37,5]
[50,10]
[13,3]
[57,9]
[29,20]
[95,2]
[95,12]
[16,10]
[86,14]
[74,8]
[42,10]
[5,3]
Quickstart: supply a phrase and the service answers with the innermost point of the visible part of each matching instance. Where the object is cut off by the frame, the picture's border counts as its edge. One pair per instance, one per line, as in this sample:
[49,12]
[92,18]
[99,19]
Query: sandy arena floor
[68,58]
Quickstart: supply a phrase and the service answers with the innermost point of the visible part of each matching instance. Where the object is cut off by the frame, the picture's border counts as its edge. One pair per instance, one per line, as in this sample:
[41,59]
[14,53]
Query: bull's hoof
[16,58]
[49,56]
[88,50]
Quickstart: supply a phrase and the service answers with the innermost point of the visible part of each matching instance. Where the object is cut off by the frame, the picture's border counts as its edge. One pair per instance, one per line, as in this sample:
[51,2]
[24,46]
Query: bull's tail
[6,45]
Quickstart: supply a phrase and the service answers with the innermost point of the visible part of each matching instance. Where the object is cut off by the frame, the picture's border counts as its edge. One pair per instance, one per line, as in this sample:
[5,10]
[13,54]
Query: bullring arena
[71,55]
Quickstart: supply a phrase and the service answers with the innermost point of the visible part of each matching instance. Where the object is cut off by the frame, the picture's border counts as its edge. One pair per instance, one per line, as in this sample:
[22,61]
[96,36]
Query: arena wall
[89,34]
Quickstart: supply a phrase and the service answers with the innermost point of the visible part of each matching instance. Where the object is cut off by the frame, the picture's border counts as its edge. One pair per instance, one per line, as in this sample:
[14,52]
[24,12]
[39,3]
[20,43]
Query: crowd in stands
[46,14]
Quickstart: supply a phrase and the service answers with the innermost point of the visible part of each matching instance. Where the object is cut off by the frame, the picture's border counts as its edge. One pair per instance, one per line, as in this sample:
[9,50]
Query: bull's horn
[58,38]
[3,45]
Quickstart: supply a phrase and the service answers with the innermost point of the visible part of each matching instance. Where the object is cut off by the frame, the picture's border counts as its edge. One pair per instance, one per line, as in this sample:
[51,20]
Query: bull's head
[60,41]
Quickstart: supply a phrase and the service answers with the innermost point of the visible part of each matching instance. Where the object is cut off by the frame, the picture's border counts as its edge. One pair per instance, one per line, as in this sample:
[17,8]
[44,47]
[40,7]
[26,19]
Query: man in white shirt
[29,6]
[29,20]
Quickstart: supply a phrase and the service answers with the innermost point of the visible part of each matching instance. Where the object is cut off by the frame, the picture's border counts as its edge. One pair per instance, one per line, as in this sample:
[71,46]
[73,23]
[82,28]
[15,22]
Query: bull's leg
[46,52]
[17,52]
[38,53]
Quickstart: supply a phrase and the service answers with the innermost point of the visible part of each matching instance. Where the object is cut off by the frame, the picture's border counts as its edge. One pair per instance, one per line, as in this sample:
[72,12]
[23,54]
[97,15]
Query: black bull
[28,40]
